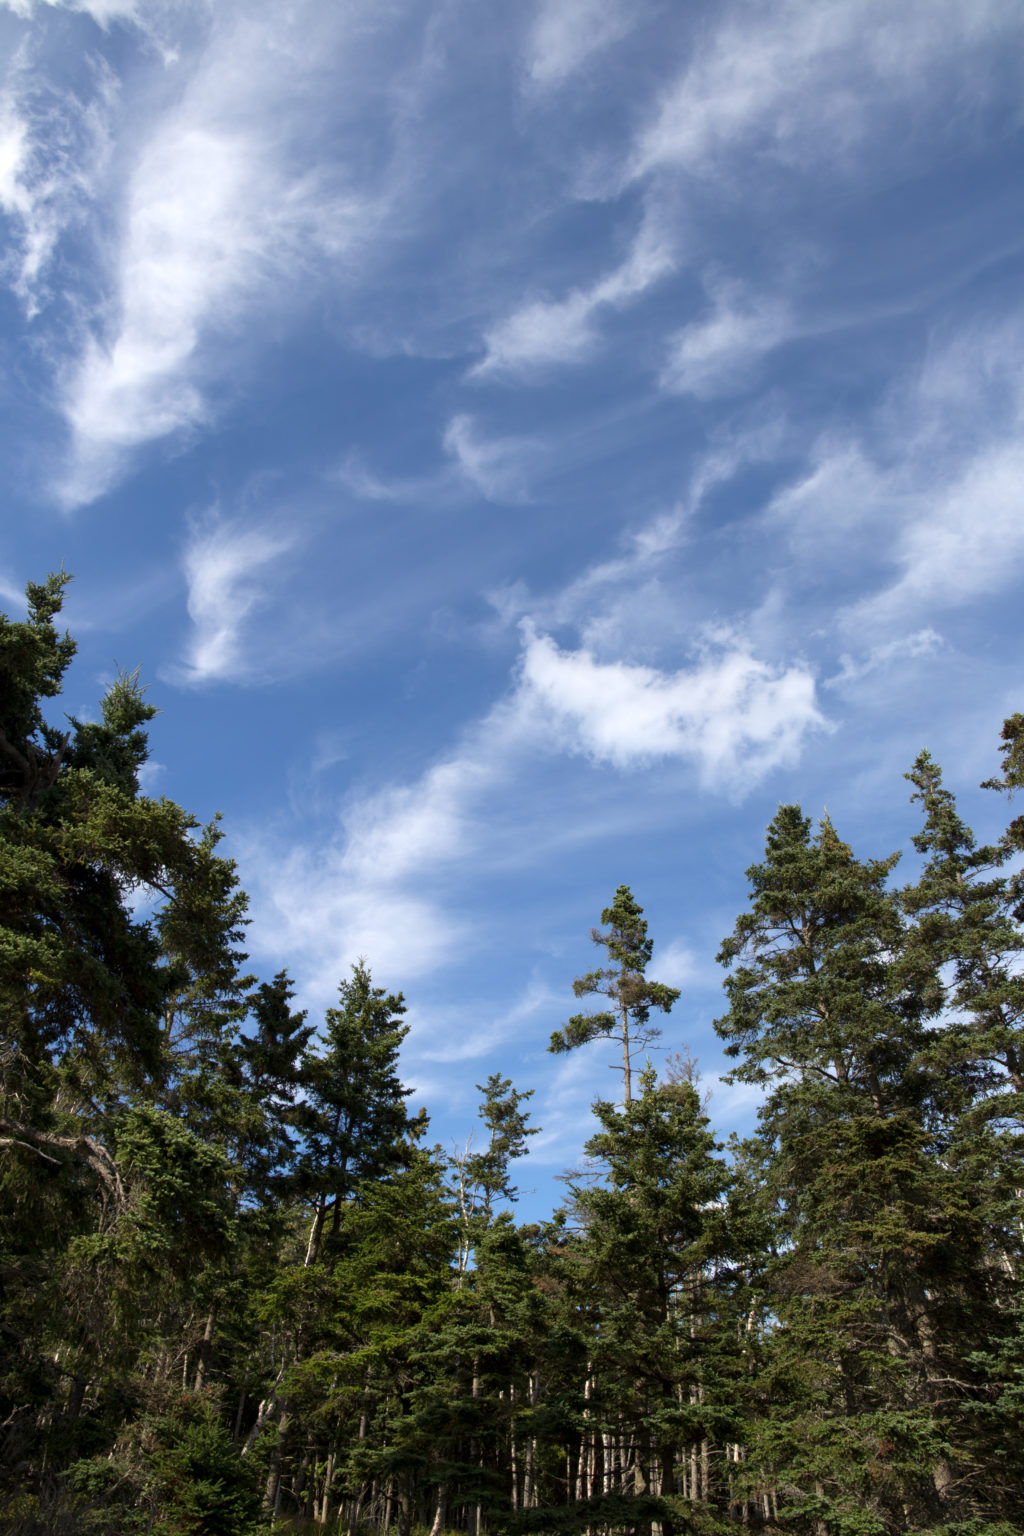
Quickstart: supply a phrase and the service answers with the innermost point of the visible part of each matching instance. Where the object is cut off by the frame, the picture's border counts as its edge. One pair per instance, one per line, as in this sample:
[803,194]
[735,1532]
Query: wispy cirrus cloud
[924,507]
[498,466]
[805,83]
[218,205]
[884,657]
[54,148]
[103,12]
[382,886]
[11,593]
[228,569]
[215,219]
[723,351]
[548,333]
[467,1031]
[566,34]
[961,542]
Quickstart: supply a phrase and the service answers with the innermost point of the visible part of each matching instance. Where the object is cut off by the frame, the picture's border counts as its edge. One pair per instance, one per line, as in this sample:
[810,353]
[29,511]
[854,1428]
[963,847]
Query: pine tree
[654,1273]
[625,984]
[89,1171]
[482,1178]
[829,1009]
[355,1123]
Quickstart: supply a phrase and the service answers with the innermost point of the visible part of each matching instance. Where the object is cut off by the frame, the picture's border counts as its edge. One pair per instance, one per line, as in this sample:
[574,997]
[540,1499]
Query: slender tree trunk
[206,1348]
[265,1412]
[439,1511]
[356,1507]
[627,1065]
[316,1232]
[272,1491]
[332,1462]
[475,1511]
[513,1458]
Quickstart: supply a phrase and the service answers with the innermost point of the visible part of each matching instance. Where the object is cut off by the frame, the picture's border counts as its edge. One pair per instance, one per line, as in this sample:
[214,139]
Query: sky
[521,446]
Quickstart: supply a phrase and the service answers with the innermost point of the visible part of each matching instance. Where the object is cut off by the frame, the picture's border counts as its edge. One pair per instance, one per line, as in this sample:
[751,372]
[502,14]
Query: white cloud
[54,146]
[968,541]
[734,717]
[837,501]
[807,81]
[209,220]
[678,965]
[103,12]
[567,33]
[468,1031]
[308,914]
[565,1111]
[367,486]
[546,333]
[226,571]
[616,599]
[150,775]
[223,212]
[882,658]
[11,593]
[497,466]
[929,502]
[720,353]
[402,830]
[379,887]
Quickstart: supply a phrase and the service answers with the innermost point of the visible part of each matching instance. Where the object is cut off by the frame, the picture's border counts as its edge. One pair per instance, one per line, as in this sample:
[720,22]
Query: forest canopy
[238,1285]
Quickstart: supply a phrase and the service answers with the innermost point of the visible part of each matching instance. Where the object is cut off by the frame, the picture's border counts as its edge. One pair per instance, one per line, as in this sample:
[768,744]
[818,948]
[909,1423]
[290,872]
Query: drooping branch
[93,1151]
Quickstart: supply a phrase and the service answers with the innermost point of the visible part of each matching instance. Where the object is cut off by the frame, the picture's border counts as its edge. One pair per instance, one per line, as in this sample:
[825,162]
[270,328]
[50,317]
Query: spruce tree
[355,1122]
[626,986]
[830,1009]
[654,1272]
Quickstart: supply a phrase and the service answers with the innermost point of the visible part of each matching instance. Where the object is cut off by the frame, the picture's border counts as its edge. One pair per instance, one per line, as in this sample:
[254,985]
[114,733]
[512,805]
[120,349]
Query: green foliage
[625,984]
[193,1482]
[236,1285]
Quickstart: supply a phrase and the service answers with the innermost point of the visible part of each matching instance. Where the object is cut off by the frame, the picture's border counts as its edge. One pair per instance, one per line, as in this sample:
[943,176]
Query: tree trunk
[316,1232]
[206,1348]
[439,1511]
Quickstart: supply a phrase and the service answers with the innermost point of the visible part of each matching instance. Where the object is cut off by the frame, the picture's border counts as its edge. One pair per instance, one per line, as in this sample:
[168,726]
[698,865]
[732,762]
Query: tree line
[239,1288]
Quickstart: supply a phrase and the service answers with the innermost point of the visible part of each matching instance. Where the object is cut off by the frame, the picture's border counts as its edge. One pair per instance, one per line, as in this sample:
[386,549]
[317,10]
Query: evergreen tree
[963,905]
[624,983]
[482,1178]
[355,1123]
[266,1066]
[654,1272]
[83,988]
[880,1251]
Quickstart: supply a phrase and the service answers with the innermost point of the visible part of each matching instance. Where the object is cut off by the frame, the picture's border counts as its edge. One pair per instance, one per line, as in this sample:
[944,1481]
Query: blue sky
[521,445]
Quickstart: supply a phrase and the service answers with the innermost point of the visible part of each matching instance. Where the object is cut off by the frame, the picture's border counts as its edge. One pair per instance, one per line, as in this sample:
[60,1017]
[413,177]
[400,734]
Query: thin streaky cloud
[470,1030]
[967,542]
[548,333]
[732,717]
[222,212]
[810,81]
[229,572]
[103,12]
[54,149]
[567,34]
[929,489]
[499,467]
[723,351]
[11,593]
[883,658]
